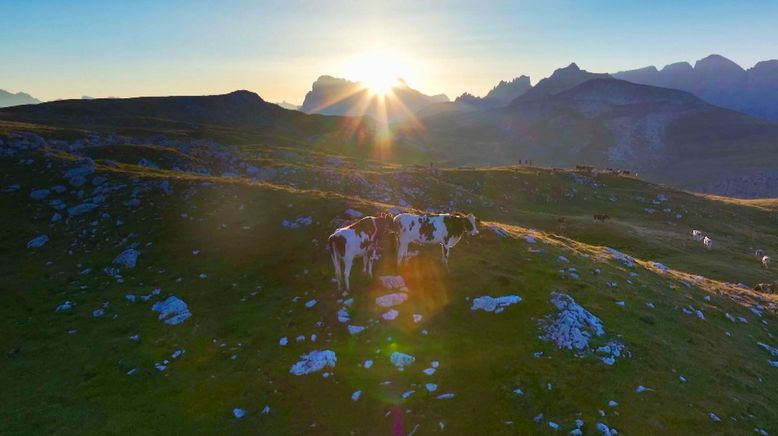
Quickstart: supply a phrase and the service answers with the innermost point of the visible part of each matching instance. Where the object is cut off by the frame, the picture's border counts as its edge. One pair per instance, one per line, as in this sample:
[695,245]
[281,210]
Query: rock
[499,231]
[604,429]
[77,175]
[64,307]
[618,255]
[401,360]
[99,180]
[445,396]
[238,413]
[713,417]
[417,318]
[97,313]
[640,389]
[56,217]
[355,396]
[81,209]
[128,258]
[772,350]
[661,267]
[173,310]
[392,282]
[38,241]
[310,303]
[343,316]
[283,341]
[494,304]
[354,329]
[367,364]
[390,300]
[390,315]
[313,362]
[297,223]
[563,259]
[573,326]
[39,194]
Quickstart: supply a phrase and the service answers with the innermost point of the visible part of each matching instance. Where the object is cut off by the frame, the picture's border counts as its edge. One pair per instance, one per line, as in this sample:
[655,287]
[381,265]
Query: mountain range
[719,81]
[9,99]
[576,117]
[334,96]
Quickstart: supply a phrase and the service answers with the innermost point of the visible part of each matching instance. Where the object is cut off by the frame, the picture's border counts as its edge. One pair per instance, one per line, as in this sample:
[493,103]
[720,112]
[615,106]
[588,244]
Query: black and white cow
[356,240]
[444,229]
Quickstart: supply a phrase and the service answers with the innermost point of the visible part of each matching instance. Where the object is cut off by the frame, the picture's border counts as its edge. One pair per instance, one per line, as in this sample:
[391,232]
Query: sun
[379,70]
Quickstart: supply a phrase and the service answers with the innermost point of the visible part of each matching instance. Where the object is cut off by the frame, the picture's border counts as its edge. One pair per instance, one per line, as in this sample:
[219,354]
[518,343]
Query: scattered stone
[283,341]
[81,209]
[354,329]
[401,360]
[640,389]
[310,303]
[128,258]
[313,362]
[392,282]
[445,396]
[38,241]
[40,194]
[367,364]
[713,417]
[172,310]
[390,315]
[494,304]
[391,300]
[355,396]
[238,413]
[573,326]
[431,387]
[417,318]
[64,307]
[297,223]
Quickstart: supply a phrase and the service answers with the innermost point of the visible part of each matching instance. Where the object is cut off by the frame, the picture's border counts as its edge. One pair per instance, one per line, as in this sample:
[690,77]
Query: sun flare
[379,70]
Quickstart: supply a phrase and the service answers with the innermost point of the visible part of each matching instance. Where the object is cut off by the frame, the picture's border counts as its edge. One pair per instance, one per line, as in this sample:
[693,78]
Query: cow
[766,261]
[359,239]
[601,217]
[444,229]
[696,235]
[707,242]
[759,253]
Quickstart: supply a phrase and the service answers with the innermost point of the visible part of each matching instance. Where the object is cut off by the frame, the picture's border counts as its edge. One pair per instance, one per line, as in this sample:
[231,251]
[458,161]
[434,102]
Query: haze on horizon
[60,49]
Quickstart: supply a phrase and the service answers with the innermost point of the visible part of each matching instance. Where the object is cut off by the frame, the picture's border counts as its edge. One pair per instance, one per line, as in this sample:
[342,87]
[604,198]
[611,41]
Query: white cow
[696,235]
[707,242]
[766,261]
[356,240]
[444,229]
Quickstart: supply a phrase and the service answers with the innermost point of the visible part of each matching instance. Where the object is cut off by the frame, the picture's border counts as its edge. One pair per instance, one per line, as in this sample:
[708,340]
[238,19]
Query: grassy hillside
[217,242]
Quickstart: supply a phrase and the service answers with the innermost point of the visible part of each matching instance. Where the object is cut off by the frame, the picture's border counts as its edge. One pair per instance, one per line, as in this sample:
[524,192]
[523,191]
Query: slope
[238,250]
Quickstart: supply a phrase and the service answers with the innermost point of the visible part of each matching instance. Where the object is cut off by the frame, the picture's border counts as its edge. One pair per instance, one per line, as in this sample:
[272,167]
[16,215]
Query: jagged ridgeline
[172,284]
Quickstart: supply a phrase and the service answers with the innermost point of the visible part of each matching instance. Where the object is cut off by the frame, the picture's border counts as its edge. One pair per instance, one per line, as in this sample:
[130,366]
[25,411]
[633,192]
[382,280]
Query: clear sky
[69,48]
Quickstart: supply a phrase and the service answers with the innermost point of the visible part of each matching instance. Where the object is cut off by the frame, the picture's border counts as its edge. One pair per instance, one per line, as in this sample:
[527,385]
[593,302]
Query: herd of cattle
[361,239]
[708,243]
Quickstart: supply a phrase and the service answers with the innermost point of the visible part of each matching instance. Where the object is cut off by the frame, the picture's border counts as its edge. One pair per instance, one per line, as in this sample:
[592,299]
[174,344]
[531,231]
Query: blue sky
[66,49]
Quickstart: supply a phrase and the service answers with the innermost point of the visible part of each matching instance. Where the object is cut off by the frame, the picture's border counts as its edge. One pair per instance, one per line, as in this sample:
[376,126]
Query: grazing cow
[759,253]
[766,261]
[356,240]
[697,235]
[444,229]
[707,242]
[601,217]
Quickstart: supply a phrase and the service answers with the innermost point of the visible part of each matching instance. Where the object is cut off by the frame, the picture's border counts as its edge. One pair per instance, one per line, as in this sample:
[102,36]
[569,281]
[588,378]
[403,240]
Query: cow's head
[384,223]
[472,224]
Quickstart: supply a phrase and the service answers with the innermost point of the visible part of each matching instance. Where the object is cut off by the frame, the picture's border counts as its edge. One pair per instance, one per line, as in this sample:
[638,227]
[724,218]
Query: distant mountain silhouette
[8,99]
[719,81]
[560,80]
[499,96]
[209,115]
[509,91]
[667,135]
[334,96]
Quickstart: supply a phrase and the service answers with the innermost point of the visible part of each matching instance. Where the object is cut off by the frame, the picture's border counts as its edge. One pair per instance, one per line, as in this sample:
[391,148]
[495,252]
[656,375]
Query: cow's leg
[348,260]
[336,264]
[365,261]
[445,250]
[402,250]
